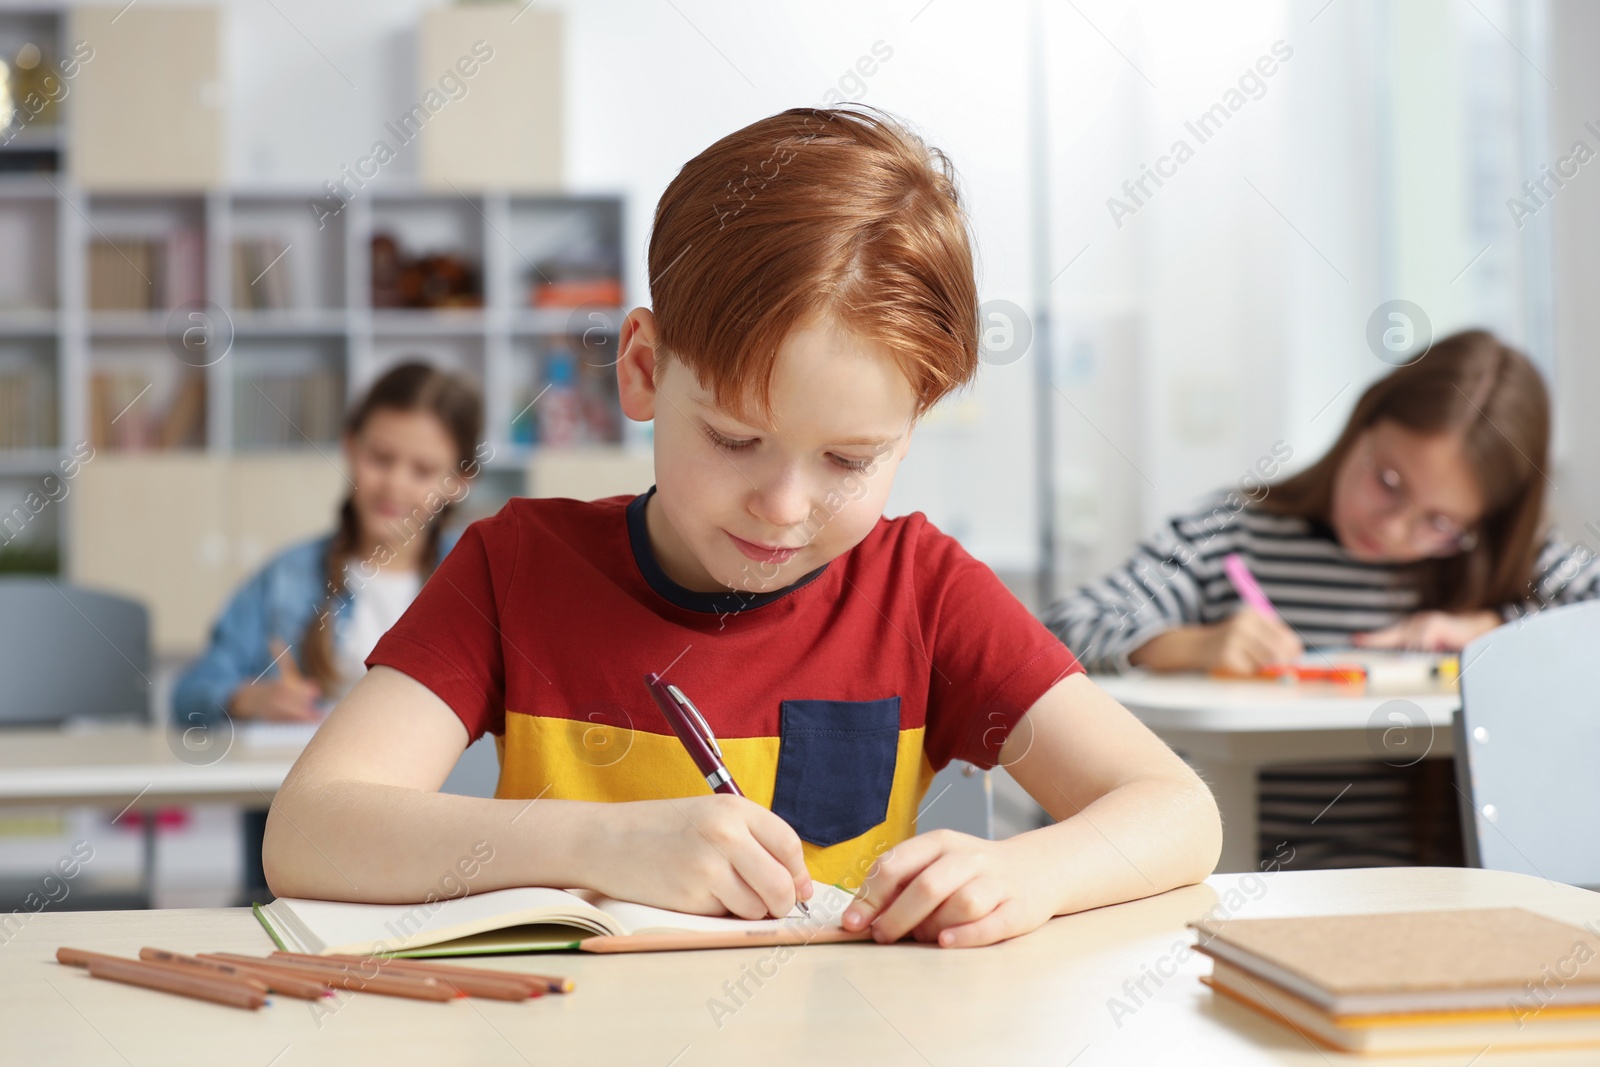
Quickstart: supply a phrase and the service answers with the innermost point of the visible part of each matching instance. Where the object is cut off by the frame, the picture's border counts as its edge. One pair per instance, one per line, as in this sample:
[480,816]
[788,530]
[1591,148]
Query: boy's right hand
[706,855]
[1248,641]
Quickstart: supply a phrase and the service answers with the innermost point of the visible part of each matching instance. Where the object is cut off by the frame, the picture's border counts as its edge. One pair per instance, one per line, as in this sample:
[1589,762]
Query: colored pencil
[305,989]
[387,985]
[539,983]
[169,978]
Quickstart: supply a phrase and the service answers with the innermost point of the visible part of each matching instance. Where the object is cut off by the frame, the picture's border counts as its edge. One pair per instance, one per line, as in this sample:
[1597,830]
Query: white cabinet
[148,105]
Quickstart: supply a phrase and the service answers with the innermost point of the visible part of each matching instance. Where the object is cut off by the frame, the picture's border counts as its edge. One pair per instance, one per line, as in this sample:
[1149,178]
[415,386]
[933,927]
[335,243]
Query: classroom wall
[1225,315]
[1573,218]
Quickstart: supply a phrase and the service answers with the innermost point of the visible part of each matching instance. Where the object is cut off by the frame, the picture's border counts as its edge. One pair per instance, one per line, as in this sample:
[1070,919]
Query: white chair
[1528,745]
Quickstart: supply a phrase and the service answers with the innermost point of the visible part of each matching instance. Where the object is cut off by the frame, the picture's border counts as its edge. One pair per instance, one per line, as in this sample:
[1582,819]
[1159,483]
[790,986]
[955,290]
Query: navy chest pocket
[836,766]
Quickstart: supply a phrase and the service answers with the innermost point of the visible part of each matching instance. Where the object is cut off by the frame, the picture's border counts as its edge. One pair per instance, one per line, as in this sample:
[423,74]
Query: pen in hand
[695,733]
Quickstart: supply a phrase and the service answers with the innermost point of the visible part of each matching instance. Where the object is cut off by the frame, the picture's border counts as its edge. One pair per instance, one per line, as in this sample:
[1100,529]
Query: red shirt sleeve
[990,659]
[449,639]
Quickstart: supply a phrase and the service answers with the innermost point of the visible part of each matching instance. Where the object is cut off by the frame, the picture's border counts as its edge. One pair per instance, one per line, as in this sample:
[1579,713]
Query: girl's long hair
[410,386]
[1472,385]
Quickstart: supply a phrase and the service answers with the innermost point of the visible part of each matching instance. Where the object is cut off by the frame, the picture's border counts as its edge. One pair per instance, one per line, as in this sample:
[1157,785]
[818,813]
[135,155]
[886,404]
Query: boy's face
[751,506]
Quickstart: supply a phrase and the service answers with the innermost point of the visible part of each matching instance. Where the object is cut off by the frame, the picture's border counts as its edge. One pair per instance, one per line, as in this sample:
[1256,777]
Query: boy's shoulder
[524,517]
[558,510]
[911,541]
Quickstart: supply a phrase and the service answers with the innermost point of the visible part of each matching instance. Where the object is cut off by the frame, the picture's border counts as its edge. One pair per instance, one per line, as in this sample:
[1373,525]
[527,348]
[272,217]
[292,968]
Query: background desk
[1229,730]
[134,766]
[1046,998]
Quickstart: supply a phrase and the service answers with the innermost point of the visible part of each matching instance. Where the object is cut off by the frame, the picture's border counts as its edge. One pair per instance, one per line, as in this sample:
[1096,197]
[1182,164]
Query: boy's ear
[636,365]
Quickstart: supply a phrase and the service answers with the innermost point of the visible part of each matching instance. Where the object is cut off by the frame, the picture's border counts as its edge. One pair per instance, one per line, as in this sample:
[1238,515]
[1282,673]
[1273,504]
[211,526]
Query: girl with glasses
[1422,527]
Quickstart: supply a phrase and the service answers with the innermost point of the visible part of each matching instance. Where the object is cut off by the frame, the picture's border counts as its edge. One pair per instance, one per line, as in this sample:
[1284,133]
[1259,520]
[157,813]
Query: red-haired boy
[813,295]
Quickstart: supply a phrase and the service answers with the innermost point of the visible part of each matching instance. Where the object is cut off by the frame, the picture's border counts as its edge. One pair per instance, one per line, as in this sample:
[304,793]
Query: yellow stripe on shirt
[572,759]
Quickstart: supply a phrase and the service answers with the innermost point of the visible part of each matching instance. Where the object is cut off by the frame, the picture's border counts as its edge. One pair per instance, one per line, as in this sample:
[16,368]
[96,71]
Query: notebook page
[340,926]
[827,905]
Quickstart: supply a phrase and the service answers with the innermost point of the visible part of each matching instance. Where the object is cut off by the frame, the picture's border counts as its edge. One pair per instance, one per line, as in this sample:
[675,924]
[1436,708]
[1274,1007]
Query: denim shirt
[280,601]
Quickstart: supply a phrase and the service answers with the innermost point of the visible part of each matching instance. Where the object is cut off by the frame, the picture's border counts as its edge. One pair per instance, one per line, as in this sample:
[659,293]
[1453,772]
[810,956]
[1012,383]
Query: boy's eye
[848,464]
[727,443]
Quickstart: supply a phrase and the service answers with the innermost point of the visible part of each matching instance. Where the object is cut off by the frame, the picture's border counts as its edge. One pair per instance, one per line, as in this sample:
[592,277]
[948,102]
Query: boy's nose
[780,503]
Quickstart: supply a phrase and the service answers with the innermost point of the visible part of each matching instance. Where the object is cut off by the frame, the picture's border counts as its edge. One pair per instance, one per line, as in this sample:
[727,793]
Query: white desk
[1041,999]
[134,766]
[1229,730]
[138,768]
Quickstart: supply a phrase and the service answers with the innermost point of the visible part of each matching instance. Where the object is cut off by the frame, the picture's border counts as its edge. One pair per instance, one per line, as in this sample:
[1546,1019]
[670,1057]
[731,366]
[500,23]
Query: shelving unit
[151,309]
[216,362]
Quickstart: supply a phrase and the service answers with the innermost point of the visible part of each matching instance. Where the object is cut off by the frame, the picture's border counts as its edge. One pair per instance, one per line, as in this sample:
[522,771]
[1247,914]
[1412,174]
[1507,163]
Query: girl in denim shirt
[293,638]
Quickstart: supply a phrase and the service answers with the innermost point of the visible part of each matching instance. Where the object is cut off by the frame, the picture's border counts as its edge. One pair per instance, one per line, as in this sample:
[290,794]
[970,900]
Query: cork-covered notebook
[1425,961]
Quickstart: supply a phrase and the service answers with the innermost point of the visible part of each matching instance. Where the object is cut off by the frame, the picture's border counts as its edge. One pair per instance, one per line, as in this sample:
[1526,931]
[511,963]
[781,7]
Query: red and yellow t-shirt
[834,699]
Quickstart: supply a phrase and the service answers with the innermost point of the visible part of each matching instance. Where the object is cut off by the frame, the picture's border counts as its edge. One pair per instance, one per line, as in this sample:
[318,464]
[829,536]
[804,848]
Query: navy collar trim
[728,603]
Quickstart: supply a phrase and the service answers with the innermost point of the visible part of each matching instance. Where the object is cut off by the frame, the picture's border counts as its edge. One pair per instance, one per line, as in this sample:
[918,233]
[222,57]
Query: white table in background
[137,767]
[1056,996]
[1229,730]
[128,767]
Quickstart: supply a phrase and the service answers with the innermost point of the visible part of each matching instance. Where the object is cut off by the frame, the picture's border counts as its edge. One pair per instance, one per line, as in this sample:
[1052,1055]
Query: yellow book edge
[1363,1028]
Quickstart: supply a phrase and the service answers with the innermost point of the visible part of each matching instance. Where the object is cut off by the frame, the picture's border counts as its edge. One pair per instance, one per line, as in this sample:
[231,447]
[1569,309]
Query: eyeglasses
[1428,532]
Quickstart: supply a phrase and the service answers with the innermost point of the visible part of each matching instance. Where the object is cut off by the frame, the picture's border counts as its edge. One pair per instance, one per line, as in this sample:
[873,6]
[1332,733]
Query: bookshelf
[198,332]
[228,322]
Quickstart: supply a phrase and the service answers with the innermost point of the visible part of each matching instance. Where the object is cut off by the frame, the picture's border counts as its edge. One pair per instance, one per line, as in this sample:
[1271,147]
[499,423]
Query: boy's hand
[952,888]
[708,855]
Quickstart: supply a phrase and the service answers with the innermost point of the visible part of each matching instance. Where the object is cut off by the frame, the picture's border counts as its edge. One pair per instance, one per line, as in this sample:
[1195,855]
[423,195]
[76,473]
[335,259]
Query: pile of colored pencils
[244,981]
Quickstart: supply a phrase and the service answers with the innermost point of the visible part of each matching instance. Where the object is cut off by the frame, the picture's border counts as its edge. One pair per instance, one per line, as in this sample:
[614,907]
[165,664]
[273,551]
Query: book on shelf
[261,275]
[147,274]
[122,416]
[587,273]
[576,293]
[27,409]
[286,410]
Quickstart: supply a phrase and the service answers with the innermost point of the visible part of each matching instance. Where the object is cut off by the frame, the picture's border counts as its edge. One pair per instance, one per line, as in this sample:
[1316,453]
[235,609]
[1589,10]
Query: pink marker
[1244,583]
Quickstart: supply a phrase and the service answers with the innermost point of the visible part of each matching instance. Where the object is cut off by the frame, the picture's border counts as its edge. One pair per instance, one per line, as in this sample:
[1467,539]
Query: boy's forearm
[361,841]
[1146,837]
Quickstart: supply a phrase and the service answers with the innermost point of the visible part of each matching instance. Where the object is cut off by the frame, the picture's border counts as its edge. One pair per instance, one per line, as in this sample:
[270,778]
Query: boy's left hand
[953,889]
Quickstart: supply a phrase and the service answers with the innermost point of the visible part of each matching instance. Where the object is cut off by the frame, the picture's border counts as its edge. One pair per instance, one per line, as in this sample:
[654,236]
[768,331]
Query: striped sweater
[1176,578]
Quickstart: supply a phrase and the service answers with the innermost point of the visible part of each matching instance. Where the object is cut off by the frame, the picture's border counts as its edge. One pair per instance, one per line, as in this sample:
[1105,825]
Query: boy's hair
[842,212]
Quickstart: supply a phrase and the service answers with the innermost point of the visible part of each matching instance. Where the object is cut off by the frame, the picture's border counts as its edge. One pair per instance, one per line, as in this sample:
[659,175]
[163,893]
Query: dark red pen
[695,733]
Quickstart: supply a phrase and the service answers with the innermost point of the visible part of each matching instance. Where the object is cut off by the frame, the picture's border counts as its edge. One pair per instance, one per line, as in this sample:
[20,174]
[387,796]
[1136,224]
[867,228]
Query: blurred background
[219,222]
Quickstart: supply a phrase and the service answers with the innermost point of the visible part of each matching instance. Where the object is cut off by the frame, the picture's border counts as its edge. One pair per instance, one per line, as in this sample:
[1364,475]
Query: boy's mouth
[763,553]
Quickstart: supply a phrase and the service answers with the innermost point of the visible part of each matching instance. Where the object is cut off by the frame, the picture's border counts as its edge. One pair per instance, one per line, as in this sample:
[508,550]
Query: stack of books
[27,409]
[147,274]
[287,410]
[1430,981]
[123,417]
[261,274]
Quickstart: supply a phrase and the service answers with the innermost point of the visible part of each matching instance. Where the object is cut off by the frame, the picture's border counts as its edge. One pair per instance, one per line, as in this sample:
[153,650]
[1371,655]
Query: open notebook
[532,920]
